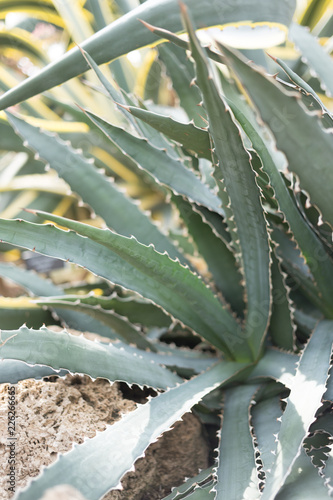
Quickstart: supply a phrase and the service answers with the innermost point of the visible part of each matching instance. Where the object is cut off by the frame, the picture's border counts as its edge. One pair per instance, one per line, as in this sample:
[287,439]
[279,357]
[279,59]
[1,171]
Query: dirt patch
[51,415]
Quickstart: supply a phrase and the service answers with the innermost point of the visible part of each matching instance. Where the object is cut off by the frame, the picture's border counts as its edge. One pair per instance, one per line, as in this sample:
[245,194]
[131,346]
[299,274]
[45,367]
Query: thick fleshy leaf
[309,94]
[307,389]
[275,364]
[298,133]
[127,263]
[12,371]
[118,211]
[185,489]
[125,441]
[314,55]
[265,415]
[136,309]
[304,482]
[159,165]
[181,71]
[281,327]
[191,137]
[110,42]
[218,256]
[42,287]
[311,246]
[14,312]
[236,172]
[61,350]
[237,475]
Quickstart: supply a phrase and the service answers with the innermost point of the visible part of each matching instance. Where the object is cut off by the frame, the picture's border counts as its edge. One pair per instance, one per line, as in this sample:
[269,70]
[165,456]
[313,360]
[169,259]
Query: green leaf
[110,42]
[296,267]
[97,466]
[118,211]
[237,471]
[181,71]
[308,91]
[304,482]
[239,180]
[218,256]
[12,371]
[307,389]
[314,55]
[265,415]
[80,355]
[311,246]
[191,137]
[134,266]
[183,490]
[277,365]
[159,165]
[281,327]
[16,312]
[126,332]
[42,287]
[136,309]
[299,134]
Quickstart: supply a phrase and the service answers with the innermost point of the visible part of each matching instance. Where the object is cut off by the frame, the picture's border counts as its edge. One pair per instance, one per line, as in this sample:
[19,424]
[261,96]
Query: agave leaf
[12,371]
[186,488]
[237,472]
[307,389]
[159,165]
[134,266]
[43,288]
[14,312]
[154,136]
[328,472]
[125,441]
[306,322]
[136,309]
[298,133]
[182,362]
[304,482]
[281,327]
[118,211]
[126,332]
[202,493]
[109,43]
[80,355]
[296,267]
[113,92]
[191,137]
[218,256]
[239,180]
[299,82]
[216,222]
[265,415]
[309,243]
[181,71]
[315,56]
[328,396]
[277,365]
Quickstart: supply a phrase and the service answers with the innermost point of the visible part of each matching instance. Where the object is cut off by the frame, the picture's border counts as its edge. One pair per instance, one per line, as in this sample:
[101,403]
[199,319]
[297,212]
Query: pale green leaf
[97,466]
[307,389]
[61,350]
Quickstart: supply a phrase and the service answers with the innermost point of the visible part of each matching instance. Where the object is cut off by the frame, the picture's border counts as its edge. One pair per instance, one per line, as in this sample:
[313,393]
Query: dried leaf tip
[147,25]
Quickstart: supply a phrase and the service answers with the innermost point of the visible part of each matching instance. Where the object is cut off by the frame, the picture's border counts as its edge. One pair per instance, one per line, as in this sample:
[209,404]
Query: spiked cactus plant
[263,305]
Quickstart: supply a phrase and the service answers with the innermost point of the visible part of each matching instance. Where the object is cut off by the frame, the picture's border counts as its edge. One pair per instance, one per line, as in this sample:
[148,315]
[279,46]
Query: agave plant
[262,303]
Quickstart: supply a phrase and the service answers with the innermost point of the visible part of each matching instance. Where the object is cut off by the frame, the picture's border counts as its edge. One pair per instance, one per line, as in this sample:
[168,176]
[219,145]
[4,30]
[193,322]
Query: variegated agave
[264,231]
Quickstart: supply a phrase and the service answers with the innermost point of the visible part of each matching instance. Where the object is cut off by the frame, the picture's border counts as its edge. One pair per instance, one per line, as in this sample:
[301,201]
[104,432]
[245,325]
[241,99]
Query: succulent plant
[261,222]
